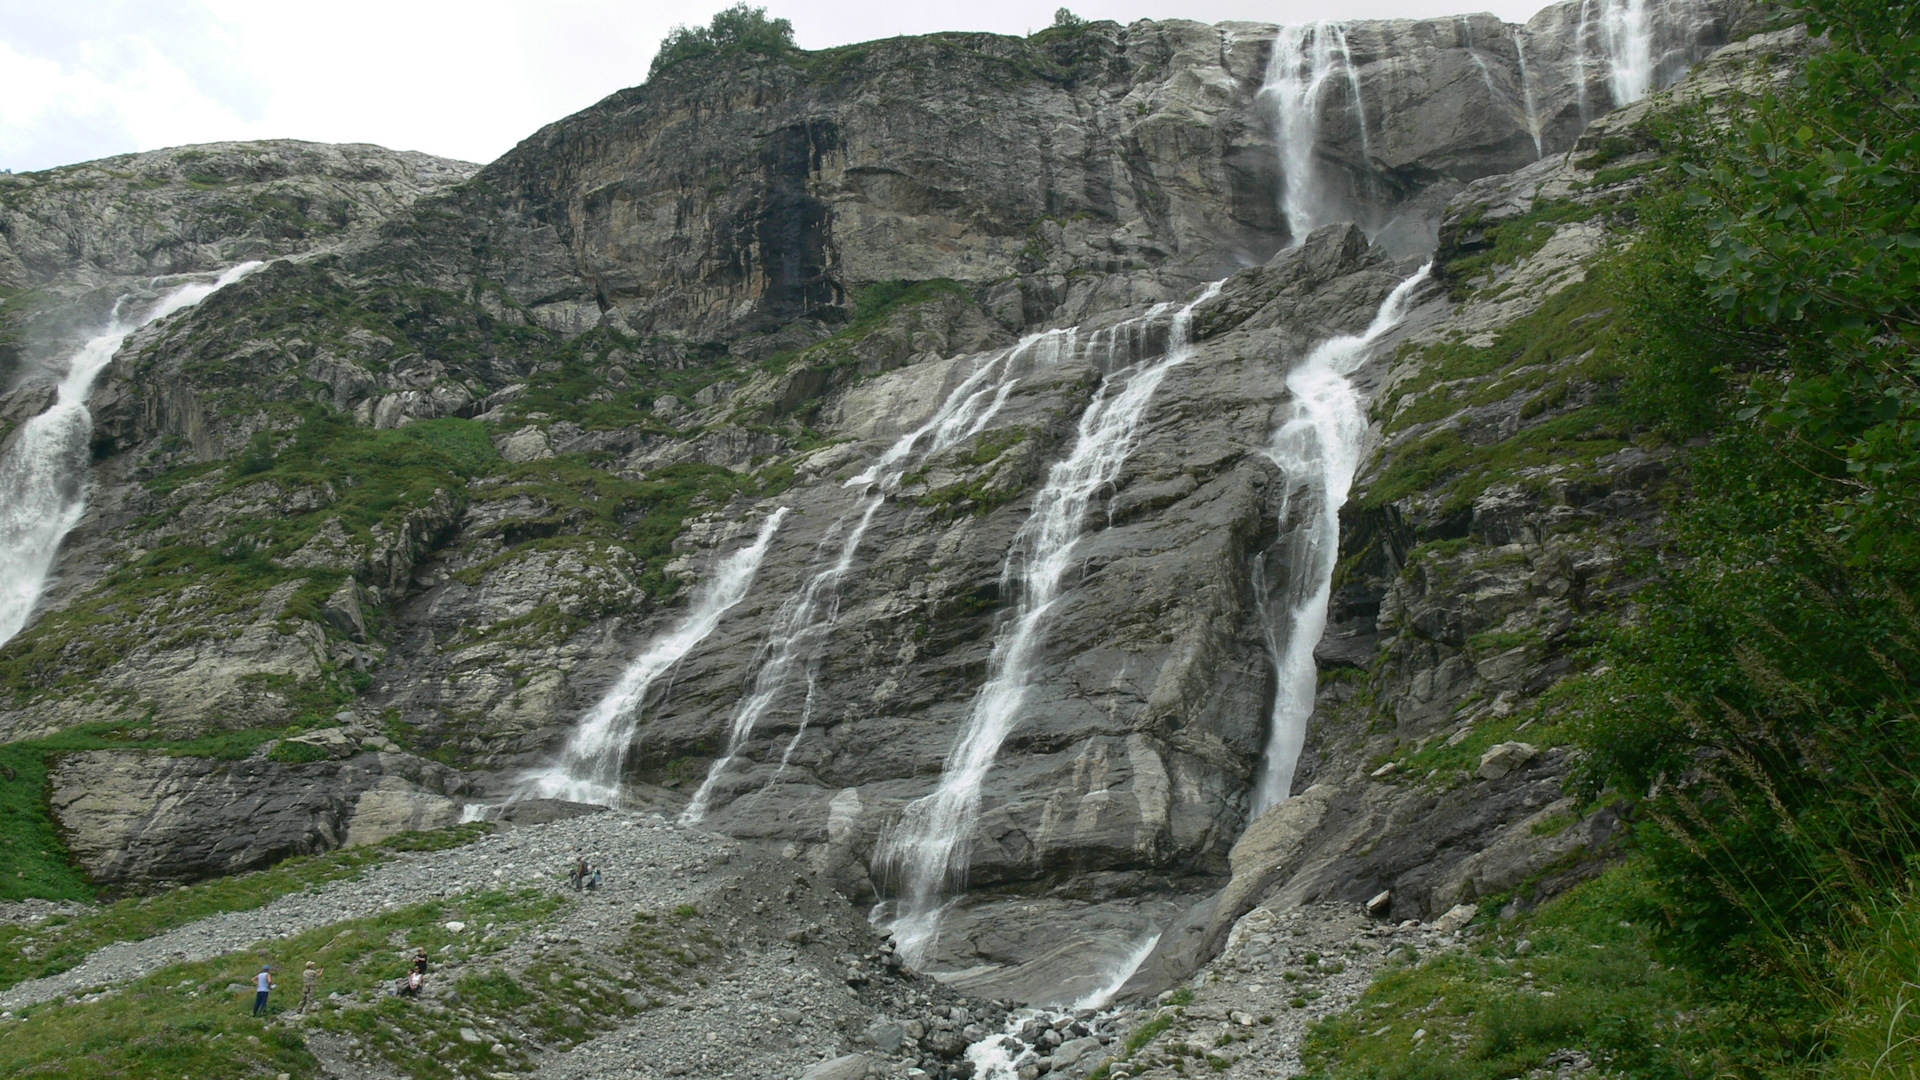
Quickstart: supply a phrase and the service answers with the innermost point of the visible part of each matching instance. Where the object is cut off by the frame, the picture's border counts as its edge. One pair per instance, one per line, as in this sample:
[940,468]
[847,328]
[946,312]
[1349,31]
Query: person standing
[577,875]
[310,978]
[262,986]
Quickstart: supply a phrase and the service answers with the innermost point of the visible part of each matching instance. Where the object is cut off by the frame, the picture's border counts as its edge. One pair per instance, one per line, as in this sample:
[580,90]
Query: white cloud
[90,78]
[121,94]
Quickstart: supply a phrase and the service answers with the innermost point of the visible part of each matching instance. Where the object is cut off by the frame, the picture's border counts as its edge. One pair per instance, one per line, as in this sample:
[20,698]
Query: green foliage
[1760,707]
[738,29]
[1810,216]
[1067,20]
[1591,981]
[257,457]
[289,752]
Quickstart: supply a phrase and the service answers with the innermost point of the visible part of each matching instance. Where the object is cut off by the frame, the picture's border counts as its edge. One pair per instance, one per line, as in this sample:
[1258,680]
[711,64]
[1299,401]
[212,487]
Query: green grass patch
[1517,238]
[57,944]
[184,1020]
[1591,982]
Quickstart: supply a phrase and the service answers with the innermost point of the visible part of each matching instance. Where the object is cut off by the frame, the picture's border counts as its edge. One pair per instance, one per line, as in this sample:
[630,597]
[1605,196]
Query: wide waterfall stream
[44,477]
[1318,449]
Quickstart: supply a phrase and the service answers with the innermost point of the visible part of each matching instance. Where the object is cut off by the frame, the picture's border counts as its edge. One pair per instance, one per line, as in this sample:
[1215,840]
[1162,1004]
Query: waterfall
[1486,73]
[1628,29]
[589,768]
[1580,34]
[44,478]
[1317,449]
[1526,92]
[926,851]
[1304,58]
[1118,975]
[801,627]
[802,620]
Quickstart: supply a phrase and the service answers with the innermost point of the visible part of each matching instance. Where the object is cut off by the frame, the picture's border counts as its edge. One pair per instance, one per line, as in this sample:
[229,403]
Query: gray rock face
[199,208]
[656,313]
[134,816]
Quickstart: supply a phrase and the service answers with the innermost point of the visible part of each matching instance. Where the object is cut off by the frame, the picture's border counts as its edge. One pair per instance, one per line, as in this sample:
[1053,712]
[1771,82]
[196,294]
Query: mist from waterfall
[1317,448]
[44,479]
[1303,59]
[1627,27]
[925,855]
[591,767]
[801,628]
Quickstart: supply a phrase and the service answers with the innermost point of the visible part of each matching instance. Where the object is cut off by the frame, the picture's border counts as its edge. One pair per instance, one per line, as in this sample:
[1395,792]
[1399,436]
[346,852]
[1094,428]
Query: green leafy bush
[738,29]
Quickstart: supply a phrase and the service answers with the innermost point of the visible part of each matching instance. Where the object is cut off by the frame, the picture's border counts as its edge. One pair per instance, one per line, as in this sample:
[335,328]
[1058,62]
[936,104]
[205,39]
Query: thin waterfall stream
[925,854]
[1526,93]
[44,479]
[590,767]
[1317,449]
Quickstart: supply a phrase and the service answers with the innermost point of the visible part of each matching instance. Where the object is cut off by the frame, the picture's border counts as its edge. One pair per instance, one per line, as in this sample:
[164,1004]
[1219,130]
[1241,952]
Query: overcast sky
[83,79]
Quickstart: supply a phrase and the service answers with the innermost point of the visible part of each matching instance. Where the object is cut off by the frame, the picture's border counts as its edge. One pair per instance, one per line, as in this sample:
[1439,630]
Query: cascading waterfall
[589,768]
[1526,93]
[1317,449]
[44,479]
[805,619]
[1304,58]
[925,853]
[1627,27]
[1580,34]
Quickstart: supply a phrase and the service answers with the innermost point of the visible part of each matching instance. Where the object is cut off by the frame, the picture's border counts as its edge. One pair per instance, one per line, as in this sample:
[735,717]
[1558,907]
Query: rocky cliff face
[434,485]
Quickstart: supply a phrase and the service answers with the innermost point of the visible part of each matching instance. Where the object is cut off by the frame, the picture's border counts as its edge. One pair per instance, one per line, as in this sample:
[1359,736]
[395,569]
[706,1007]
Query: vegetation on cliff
[1757,706]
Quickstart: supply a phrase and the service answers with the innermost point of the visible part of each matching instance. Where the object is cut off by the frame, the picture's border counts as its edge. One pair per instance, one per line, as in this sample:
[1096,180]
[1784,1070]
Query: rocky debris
[1245,1012]
[1502,758]
[766,1003]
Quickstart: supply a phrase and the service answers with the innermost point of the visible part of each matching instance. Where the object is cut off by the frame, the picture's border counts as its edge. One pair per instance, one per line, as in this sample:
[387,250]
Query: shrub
[738,29]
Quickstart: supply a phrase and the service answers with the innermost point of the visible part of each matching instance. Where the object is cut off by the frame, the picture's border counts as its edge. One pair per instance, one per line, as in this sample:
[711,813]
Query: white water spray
[926,852]
[1120,973]
[1317,449]
[1627,27]
[589,769]
[44,478]
[800,629]
[1304,58]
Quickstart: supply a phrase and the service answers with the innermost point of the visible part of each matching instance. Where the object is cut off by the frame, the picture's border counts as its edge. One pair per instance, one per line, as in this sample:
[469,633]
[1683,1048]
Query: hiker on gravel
[578,875]
[309,979]
[594,881]
[262,985]
[420,961]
